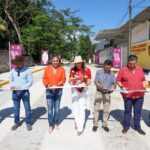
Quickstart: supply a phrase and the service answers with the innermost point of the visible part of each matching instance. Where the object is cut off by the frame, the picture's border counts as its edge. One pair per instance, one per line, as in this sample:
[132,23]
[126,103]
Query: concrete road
[66,138]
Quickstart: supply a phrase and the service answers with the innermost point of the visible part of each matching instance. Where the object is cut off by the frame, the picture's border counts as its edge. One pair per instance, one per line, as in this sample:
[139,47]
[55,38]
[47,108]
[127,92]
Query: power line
[143,6]
[139,3]
[124,16]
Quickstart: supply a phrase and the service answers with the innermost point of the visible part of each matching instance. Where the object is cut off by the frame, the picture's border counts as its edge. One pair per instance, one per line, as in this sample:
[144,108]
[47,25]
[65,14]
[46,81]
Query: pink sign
[97,58]
[15,49]
[44,59]
[117,60]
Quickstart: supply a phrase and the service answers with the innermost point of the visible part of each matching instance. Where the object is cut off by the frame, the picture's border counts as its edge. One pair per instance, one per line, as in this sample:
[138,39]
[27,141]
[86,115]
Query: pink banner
[44,57]
[15,49]
[117,60]
[97,58]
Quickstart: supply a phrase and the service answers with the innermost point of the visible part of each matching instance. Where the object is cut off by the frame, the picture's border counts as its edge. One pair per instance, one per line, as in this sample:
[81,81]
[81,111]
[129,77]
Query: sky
[103,14]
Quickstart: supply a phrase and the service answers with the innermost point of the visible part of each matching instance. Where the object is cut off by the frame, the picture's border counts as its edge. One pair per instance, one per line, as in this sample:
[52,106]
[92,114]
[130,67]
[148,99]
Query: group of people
[130,79]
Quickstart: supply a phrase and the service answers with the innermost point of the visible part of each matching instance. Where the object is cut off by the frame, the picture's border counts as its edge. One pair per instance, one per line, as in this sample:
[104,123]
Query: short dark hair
[56,56]
[132,58]
[108,62]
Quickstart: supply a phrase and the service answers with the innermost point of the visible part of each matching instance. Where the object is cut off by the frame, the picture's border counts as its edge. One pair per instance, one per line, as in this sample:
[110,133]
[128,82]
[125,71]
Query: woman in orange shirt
[54,75]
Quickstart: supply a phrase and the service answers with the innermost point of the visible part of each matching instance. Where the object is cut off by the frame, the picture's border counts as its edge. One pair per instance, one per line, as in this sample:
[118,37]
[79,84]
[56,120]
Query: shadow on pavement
[64,112]
[146,116]
[4,113]
[37,113]
[87,114]
[118,115]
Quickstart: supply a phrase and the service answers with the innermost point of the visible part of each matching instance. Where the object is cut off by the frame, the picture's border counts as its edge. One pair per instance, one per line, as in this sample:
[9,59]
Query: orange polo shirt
[51,78]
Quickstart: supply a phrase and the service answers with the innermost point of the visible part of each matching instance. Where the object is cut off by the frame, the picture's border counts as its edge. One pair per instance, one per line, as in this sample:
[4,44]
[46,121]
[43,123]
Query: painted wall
[140,32]
[4,61]
[142,50]
[106,54]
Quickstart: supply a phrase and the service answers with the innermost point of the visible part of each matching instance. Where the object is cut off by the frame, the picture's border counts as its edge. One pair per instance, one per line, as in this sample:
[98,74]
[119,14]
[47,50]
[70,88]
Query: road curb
[6,81]
[34,71]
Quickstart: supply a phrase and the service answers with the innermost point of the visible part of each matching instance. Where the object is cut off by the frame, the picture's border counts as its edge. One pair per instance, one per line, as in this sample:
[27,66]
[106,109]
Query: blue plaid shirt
[21,78]
[105,79]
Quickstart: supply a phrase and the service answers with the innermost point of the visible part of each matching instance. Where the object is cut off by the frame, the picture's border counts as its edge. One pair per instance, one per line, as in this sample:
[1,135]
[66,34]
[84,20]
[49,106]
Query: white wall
[106,54]
[124,51]
[140,32]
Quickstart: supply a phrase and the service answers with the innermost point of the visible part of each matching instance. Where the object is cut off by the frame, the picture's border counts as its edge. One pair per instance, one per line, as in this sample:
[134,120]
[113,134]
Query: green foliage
[85,45]
[40,26]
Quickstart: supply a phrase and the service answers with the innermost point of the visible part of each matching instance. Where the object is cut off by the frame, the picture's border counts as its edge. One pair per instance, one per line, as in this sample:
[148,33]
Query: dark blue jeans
[137,106]
[53,103]
[25,96]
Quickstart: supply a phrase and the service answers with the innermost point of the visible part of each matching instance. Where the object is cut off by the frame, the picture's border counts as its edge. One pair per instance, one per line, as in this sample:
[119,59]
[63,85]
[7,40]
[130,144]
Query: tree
[18,14]
[85,47]
[38,25]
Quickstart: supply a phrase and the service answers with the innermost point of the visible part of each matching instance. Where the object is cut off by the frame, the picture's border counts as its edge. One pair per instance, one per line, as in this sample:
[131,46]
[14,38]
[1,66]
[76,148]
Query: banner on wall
[14,50]
[142,51]
[44,57]
[117,58]
[97,58]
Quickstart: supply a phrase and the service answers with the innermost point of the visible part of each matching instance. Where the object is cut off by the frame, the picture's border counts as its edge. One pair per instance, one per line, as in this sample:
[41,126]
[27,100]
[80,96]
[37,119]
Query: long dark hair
[82,67]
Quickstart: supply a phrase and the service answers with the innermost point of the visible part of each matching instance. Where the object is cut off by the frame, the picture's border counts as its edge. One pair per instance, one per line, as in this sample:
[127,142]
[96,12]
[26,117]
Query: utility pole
[130,26]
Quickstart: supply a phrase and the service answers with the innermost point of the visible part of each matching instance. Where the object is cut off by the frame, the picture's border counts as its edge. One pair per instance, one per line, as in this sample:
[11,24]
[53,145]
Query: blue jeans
[137,106]
[53,103]
[25,96]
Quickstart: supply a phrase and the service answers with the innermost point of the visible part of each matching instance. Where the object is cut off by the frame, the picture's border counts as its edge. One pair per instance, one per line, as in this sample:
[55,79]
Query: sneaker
[15,126]
[106,129]
[124,130]
[140,131]
[29,127]
[94,129]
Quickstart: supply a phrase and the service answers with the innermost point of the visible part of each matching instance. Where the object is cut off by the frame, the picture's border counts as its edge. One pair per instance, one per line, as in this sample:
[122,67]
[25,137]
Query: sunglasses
[18,73]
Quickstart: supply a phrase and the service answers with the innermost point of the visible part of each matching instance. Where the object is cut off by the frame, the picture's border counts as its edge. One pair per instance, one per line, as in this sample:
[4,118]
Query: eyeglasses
[18,73]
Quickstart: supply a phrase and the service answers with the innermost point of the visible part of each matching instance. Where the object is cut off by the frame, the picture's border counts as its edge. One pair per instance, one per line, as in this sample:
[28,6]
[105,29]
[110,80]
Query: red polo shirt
[132,81]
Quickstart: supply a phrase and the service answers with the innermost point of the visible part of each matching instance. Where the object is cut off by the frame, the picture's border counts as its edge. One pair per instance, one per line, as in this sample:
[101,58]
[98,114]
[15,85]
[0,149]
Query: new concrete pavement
[66,137]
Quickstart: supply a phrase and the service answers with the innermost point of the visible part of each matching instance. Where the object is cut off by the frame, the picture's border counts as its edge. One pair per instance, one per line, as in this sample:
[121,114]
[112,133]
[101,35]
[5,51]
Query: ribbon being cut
[79,86]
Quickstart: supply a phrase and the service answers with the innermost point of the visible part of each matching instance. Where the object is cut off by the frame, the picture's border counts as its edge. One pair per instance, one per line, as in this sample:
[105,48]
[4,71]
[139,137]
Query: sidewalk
[4,77]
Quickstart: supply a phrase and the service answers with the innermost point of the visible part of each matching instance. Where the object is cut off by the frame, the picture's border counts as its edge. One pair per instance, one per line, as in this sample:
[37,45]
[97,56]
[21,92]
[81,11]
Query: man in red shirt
[131,78]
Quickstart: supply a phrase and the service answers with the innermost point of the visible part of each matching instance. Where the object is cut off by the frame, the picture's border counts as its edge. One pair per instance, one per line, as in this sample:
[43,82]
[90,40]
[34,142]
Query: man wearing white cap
[80,76]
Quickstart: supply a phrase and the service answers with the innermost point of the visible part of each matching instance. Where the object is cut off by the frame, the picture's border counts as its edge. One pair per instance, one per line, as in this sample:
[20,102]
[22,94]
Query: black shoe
[29,127]
[125,130]
[140,131]
[15,126]
[94,129]
[106,129]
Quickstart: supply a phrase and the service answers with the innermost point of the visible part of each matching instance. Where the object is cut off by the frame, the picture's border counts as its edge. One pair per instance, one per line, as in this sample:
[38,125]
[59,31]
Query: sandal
[79,133]
[50,130]
[56,127]
[76,127]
